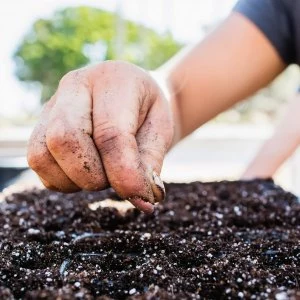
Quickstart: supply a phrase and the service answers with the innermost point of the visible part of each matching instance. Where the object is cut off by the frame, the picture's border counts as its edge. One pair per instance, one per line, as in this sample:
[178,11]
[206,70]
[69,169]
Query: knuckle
[66,78]
[118,68]
[75,76]
[35,160]
[113,65]
[106,136]
[56,139]
[37,157]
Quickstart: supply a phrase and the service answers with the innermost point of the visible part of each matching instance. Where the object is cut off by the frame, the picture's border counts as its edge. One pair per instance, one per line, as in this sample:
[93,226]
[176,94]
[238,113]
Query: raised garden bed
[208,240]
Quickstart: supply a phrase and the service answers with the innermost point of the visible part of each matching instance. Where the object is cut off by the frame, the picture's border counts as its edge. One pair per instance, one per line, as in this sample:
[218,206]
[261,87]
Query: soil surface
[207,240]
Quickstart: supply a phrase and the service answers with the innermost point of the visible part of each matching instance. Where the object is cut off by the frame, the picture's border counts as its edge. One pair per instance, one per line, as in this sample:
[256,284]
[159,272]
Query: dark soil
[208,240]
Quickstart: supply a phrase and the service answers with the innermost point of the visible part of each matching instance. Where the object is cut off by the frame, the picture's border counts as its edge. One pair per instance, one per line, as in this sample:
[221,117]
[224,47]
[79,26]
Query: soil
[225,240]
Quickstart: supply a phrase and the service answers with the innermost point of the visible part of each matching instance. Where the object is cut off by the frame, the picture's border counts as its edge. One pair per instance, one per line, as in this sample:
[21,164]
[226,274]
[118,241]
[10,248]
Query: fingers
[42,162]
[154,138]
[118,109]
[68,136]
[123,166]
[140,204]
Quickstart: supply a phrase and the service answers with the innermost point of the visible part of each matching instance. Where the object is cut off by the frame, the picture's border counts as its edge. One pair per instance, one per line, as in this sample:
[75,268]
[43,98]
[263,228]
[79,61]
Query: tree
[70,39]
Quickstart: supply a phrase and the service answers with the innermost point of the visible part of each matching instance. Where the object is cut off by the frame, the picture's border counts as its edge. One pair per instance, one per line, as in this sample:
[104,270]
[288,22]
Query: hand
[107,125]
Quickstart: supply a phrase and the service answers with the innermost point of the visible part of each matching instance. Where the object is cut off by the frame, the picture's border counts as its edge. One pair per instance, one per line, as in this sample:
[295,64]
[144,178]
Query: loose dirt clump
[207,240]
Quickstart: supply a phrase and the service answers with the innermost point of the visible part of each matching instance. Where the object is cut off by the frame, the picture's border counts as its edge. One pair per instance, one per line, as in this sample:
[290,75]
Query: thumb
[154,139]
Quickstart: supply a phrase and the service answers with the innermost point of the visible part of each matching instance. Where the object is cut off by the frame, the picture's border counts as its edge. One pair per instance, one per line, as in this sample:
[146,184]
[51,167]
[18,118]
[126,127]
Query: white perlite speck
[219,216]
[237,211]
[146,235]
[132,291]
[33,231]
[281,296]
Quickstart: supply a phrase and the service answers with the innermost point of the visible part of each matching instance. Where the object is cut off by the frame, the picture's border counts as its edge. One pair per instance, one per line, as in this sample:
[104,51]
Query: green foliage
[54,47]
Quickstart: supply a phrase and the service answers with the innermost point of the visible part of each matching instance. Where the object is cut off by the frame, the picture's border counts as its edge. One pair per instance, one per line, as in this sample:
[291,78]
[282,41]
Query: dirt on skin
[228,240]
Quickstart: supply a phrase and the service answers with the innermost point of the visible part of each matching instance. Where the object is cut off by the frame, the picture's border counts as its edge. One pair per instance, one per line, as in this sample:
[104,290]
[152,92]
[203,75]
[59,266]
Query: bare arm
[279,147]
[230,64]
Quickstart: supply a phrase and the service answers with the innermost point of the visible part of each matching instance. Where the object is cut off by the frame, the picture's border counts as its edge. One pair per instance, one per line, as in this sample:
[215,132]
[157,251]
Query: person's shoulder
[275,19]
[287,7]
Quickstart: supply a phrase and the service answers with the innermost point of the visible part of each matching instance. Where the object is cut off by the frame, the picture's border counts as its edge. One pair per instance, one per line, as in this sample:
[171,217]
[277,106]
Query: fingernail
[160,191]
[139,203]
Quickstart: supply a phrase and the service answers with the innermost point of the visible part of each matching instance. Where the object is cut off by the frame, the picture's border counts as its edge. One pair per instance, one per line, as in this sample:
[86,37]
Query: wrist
[168,90]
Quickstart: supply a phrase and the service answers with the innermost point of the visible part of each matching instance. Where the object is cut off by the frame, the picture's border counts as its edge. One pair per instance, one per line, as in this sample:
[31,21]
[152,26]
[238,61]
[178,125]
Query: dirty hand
[106,125]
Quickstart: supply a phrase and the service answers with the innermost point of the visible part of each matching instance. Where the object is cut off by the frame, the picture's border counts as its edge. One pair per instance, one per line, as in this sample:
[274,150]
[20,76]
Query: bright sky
[183,17]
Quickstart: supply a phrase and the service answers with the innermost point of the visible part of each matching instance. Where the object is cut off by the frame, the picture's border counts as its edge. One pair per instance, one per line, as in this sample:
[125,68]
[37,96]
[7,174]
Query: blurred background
[42,40]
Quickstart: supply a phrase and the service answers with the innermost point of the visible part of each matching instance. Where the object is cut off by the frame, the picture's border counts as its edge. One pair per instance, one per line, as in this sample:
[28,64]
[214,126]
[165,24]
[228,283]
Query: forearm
[221,70]
[271,156]
[279,147]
